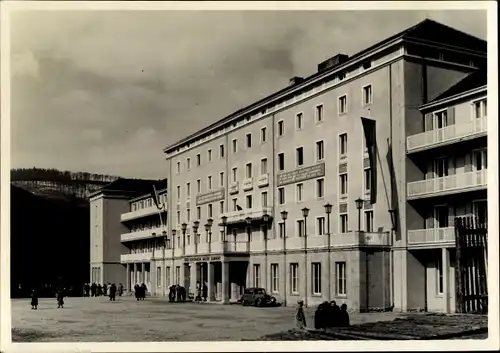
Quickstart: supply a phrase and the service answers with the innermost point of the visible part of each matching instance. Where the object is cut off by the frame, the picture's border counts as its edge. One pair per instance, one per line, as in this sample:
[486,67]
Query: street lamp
[235,234]
[184,228]
[328,211]
[196,224]
[249,230]
[224,224]
[284,216]
[165,239]
[359,206]
[305,213]
[210,221]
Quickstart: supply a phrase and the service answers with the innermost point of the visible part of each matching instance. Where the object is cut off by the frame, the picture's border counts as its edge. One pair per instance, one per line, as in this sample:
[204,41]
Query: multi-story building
[123,218]
[295,194]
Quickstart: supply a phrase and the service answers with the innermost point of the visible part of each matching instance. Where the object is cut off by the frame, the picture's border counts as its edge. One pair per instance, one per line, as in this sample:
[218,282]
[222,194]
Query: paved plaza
[127,320]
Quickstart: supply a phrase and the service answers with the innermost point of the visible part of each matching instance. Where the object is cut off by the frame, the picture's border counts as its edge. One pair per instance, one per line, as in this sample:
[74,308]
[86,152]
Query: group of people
[328,314]
[201,292]
[60,294]
[96,290]
[140,291]
[176,293]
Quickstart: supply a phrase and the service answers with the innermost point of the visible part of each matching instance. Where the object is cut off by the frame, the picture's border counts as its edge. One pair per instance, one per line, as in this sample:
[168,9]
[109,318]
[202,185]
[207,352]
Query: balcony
[142,234]
[263,180]
[431,237]
[240,216]
[143,212]
[138,257]
[447,135]
[248,184]
[234,187]
[451,184]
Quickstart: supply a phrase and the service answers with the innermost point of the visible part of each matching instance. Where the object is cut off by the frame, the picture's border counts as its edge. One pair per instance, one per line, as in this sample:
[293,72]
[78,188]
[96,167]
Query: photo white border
[458,345]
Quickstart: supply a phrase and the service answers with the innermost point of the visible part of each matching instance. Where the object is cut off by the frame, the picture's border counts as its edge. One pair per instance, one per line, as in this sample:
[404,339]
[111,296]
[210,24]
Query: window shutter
[428,122]
[451,115]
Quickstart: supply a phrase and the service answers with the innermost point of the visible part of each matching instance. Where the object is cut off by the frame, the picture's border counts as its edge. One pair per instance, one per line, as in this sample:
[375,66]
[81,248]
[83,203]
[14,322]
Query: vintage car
[257,297]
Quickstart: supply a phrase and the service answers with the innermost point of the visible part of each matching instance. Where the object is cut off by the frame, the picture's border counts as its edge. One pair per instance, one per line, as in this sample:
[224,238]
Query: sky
[106,91]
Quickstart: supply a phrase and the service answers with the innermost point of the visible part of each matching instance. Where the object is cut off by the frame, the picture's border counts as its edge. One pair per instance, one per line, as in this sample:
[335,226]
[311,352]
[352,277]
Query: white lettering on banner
[301,174]
[202,258]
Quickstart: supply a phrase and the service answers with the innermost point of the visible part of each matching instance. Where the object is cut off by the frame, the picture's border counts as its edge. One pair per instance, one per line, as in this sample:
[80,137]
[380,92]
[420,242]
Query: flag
[154,195]
[369,127]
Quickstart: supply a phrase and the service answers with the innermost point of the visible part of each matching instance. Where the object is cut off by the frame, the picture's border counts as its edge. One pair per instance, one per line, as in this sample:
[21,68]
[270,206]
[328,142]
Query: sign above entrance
[212,196]
[202,258]
[301,174]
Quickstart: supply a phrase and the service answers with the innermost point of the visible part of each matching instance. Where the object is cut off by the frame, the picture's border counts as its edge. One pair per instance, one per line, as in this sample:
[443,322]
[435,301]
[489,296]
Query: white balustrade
[431,236]
[247,184]
[263,180]
[457,182]
[140,213]
[137,257]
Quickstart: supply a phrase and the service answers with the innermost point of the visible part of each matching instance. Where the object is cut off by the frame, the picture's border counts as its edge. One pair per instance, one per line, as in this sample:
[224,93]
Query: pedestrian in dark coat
[93,289]
[86,288]
[34,300]
[144,289]
[112,292]
[171,293]
[320,316]
[105,289]
[343,316]
[60,298]
[334,314]
[205,292]
[120,289]
[136,291]
[183,294]
[300,318]
[99,290]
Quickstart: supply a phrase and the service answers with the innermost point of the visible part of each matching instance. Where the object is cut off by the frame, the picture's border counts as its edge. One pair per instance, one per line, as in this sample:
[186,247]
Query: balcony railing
[457,182]
[140,213]
[263,180]
[447,134]
[431,236]
[142,234]
[247,184]
[234,187]
[254,213]
[138,257]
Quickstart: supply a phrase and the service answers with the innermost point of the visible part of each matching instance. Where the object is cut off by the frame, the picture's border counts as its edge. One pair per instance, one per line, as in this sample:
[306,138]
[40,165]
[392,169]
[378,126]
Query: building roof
[425,31]
[132,187]
[474,80]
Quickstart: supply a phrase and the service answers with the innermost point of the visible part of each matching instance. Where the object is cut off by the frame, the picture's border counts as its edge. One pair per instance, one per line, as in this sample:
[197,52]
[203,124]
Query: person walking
[112,292]
[334,314]
[144,289]
[136,291]
[93,289]
[60,298]
[343,316]
[300,318]
[99,290]
[205,292]
[320,315]
[34,300]
[105,289]
[120,289]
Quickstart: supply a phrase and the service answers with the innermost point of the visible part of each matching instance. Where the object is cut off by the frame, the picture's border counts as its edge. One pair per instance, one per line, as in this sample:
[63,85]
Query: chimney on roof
[332,62]
[295,80]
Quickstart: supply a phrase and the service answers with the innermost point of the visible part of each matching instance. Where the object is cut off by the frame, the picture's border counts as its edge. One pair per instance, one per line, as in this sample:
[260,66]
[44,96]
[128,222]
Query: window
[263,166]
[167,277]
[221,204]
[210,211]
[281,161]
[264,198]
[177,274]
[198,212]
[298,121]
[281,229]
[178,217]
[235,145]
[198,185]
[439,275]
[249,170]
[340,278]
[368,180]
[367,95]
[281,195]
[343,184]
[188,189]
[343,145]
[263,134]
[158,277]
[249,201]
[480,109]
[343,104]
[344,223]
[198,159]
[300,192]
[320,150]
[320,188]
[319,113]
[249,140]
[235,174]
[188,163]
[294,278]
[320,225]
[316,278]
[221,179]
[300,227]
[178,167]
[441,214]
[480,159]
[300,156]
[209,157]
[256,275]
[368,221]
[209,179]
[178,191]
[441,167]
[221,151]
[274,278]
[440,119]
[281,128]
[188,214]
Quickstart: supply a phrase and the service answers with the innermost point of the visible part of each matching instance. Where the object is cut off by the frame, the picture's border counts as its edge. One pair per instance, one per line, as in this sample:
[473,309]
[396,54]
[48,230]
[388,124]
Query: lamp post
[224,224]
[210,222]
[174,232]
[328,211]
[151,266]
[305,214]
[284,215]
[235,233]
[265,220]
[184,228]
[164,234]
[248,220]
[359,206]
[196,224]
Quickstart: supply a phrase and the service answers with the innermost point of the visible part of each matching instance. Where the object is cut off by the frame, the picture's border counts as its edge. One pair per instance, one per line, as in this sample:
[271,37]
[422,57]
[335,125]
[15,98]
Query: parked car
[257,297]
